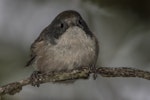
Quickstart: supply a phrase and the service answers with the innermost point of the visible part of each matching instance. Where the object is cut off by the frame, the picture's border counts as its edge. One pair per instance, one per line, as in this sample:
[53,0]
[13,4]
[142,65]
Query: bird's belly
[67,57]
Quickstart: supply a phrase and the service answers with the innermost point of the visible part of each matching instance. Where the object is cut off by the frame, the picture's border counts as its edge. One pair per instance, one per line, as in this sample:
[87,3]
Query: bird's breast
[73,49]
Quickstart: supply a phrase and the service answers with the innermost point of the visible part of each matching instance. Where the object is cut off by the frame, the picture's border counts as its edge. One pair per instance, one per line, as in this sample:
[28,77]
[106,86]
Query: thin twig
[16,87]
[84,73]
[123,72]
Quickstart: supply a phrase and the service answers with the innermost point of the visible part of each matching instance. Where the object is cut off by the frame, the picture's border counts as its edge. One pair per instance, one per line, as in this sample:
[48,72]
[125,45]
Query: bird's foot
[35,78]
[93,69]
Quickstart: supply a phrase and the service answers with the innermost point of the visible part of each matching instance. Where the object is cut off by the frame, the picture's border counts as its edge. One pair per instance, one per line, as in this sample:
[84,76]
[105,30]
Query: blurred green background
[123,30]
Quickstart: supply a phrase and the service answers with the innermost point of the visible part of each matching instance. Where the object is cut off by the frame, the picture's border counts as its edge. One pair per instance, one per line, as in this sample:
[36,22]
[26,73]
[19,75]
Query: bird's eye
[61,25]
[80,22]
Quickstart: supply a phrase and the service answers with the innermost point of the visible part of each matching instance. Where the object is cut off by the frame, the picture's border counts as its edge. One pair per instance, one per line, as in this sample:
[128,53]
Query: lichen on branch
[15,87]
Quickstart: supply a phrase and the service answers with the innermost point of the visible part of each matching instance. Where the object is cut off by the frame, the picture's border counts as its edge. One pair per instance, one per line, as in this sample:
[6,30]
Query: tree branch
[84,73]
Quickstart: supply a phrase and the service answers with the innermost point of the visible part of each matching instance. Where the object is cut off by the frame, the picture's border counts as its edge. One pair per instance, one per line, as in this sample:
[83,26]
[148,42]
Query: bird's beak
[71,22]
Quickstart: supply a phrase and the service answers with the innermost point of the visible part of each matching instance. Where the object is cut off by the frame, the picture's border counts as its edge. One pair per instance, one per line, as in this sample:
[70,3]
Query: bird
[65,44]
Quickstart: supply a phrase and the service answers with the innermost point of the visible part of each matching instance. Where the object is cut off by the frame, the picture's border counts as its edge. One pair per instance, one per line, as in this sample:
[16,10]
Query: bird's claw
[93,69]
[35,78]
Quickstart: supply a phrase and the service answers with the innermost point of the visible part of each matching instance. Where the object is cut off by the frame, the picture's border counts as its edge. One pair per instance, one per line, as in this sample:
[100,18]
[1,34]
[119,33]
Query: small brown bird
[65,44]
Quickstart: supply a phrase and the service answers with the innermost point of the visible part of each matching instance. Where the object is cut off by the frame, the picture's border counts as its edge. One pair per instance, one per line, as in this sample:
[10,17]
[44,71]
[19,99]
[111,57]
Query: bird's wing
[37,46]
[97,49]
[34,49]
